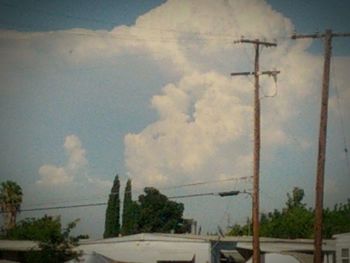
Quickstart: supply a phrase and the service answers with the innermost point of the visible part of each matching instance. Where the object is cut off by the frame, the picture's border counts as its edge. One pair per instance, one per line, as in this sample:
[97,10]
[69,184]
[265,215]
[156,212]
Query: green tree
[244,230]
[336,220]
[56,244]
[295,199]
[157,213]
[237,230]
[294,221]
[297,221]
[42,229]
[112,225]
[130,212]
[60,248]
[10,202]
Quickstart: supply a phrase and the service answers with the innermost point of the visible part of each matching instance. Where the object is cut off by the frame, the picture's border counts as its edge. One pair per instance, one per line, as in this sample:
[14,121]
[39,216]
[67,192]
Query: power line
[61,207]
[189,40]
[214,36]
[208,182]
[139,191]
[209,35]
[221,194]
[102,21]
[56,14]
[342,126]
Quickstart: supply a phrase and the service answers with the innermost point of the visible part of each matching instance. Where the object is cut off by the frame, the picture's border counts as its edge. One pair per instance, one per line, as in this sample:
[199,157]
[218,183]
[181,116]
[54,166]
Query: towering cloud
[205,118]
[203,122]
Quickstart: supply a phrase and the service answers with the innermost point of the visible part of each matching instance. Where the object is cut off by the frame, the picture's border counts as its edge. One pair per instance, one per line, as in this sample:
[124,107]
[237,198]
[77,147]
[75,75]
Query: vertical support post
[322,149]
[256,165]
[321,157]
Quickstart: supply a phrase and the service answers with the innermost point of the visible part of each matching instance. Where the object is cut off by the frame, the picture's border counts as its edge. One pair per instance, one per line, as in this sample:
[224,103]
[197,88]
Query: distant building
[187,248]
[342,248]
[184,248]
[15,250]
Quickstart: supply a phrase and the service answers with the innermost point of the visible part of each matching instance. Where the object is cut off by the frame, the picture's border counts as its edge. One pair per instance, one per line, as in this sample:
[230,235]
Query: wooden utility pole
[321,158]
[256,73]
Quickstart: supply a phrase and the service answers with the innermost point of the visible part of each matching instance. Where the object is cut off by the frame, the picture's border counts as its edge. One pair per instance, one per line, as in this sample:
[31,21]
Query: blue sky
[41,15]
[142,88]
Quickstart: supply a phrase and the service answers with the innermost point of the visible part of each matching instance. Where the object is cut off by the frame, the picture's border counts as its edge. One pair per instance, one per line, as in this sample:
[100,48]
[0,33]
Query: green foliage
[130,212]
[112,225]
[153,212]
[10,194]
[56,244]
[42,229]
[336,221]
[184,226]
[59,248]
[238,230]
[296,198]
[297,221]
[10,202]
[157,213]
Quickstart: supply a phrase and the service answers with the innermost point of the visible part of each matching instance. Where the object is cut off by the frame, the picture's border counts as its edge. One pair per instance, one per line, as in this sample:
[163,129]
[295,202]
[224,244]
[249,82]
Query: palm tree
[10,202]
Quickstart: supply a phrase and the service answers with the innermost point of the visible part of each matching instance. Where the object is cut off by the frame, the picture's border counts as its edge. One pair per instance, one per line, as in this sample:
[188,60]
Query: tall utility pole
[327,36]
[256,73]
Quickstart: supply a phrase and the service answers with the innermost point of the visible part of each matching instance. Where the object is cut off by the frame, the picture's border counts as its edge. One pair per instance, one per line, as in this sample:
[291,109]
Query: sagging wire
[342,126]
[275,93]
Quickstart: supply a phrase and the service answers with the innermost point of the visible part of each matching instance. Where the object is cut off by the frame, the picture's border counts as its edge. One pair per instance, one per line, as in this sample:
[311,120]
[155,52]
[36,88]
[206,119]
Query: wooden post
[256,165]
[322,140]
[321,158]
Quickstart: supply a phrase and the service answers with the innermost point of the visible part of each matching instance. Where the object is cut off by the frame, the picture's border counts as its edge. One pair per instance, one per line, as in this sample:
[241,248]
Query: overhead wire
[139,191]
[275,93]
[55,14]
[162,30]
[210,35]
[60,207]
[340,114]
[176,39]
[208,182]
[130,37]
[105,203]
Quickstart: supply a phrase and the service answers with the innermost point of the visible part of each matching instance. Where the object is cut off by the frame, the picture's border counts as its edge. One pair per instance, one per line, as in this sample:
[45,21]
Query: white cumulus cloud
[204,128]
[54,175]
[198,115]
[206,118]
[50,174]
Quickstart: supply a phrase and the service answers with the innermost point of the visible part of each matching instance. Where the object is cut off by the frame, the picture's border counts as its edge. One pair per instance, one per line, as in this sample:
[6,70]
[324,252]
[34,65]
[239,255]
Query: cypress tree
[112,225]
[128,224]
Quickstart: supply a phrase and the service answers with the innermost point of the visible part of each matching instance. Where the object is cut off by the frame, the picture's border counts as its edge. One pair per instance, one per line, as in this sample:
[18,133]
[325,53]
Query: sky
[142,89]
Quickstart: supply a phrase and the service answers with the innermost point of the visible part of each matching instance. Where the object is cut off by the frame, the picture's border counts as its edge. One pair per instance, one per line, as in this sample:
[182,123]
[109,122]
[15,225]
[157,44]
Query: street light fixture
[221,194]
[229,193]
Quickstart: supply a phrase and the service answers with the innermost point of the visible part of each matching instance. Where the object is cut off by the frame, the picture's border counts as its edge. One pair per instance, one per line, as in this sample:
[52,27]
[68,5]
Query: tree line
[152,212]
[54,240]
[296,220]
